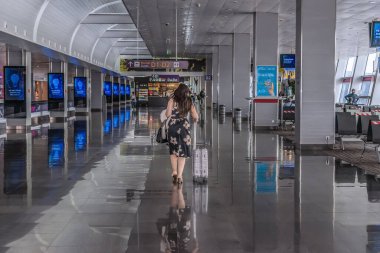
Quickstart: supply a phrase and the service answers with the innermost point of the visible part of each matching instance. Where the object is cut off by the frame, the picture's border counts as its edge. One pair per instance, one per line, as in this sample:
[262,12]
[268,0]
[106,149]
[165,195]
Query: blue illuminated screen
[55,83]
[14,82]
[288,61]
[122,90]
[107,126]
[375,34]
[127,115]
[56,151]
[128,90]
[107,89]
[80,87]
[116,89]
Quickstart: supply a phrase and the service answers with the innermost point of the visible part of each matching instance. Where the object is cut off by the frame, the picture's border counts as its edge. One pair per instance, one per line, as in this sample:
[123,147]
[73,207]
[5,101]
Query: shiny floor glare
[101,184]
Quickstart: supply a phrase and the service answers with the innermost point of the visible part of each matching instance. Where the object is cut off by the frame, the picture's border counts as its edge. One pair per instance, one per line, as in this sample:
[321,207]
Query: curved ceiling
[96,31]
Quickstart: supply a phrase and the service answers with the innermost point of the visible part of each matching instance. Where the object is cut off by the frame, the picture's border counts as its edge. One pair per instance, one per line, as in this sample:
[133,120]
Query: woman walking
[177,111]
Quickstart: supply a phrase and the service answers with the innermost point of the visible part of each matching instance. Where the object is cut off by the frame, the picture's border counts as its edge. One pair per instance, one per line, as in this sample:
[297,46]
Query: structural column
[266,54]
[97,79]
[215,76]
[209,83]
[225,77]
[241,72]
[316,22]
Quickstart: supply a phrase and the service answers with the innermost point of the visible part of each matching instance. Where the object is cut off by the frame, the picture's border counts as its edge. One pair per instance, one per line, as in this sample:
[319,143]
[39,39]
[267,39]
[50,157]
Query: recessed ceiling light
[372,2]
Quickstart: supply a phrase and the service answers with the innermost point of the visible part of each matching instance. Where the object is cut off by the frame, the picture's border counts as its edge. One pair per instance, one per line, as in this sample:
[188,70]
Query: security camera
[167,24]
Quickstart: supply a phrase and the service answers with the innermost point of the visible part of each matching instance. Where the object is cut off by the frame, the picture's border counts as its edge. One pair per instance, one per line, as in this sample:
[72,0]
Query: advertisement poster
[266,84]
[40,91]
[107,89]
[14,82]
[80,87]
[55,85]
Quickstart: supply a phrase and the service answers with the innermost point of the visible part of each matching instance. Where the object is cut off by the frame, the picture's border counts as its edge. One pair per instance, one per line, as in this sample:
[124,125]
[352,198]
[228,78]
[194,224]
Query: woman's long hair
[182,96]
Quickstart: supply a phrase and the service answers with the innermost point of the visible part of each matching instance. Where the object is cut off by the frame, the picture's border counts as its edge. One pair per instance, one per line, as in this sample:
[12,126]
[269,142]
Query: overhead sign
[152,64]
[208,77]
[164,79]
[266,84]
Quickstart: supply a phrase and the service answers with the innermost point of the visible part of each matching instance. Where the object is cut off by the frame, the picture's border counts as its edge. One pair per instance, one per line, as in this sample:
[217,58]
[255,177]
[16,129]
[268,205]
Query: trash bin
[237,115]
[222,110]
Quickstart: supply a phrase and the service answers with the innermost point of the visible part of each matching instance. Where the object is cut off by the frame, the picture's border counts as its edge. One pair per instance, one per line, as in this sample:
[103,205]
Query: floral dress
[179,135]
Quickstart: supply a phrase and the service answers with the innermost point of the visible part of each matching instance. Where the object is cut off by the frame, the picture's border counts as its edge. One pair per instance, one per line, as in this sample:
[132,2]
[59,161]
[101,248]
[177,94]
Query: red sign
[367,78]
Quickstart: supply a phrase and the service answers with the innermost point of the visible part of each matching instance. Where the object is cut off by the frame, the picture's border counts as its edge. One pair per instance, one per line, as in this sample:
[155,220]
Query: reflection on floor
[100,184]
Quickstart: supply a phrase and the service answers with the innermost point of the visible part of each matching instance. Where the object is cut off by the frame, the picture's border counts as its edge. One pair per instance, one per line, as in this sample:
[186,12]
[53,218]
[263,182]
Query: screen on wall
[122,90]
[14,82]
[116,89]
[80,87]
[40,91]
[288,61]
[55,84]
[128,90]
[375,34]
[107,89]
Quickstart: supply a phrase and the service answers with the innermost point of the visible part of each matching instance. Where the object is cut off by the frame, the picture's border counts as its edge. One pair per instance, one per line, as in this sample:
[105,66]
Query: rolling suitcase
[200,161]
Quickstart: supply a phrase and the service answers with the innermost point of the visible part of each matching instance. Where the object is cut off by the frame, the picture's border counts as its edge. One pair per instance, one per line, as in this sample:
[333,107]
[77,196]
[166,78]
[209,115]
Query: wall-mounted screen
[14,82]
[122,90]
[55,84]
[116,89]
[375,34]
[80,87]
[128,90]
[40,91]
[107,89]
[288,61]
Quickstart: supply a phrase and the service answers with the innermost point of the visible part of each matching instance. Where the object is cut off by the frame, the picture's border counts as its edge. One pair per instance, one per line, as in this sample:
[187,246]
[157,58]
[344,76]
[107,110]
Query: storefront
[155,90]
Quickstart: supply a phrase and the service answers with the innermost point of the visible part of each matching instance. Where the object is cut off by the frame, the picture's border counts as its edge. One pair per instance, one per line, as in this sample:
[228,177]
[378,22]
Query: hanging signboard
[192,65]
[266,83]
[164,79]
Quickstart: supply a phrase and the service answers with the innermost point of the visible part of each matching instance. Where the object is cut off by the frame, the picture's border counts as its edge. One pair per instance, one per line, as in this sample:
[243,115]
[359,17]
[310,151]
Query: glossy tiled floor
[99,185]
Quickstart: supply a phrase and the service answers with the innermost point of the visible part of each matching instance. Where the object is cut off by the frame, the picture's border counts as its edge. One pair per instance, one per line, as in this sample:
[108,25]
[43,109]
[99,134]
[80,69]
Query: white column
[225,77]
[215,76]
[266,54]
[209,84]
[241,71]
[96,90]
[315,114]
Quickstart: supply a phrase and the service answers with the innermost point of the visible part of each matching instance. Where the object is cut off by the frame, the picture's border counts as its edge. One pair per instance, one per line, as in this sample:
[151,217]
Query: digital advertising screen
[107,89]
[127,115]
[128,90]
[375,34]
[14,82]
[55,84]
[122,90]
[80,87]
[116,89]
[122,118]
[288,61]
[266,82]
[40,91]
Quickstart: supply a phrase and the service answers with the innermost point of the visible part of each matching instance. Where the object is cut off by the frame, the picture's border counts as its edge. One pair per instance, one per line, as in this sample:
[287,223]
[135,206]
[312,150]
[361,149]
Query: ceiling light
[372,2]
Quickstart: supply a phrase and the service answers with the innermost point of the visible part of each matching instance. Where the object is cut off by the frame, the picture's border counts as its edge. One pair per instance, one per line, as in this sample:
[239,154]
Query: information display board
[266,82]
[288,61]
[80,87]
[375,34]
[55,84]
[14,82]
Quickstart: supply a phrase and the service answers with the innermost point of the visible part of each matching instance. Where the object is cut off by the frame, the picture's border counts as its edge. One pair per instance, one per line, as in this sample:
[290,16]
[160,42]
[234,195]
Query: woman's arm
[194,114]
[169,108]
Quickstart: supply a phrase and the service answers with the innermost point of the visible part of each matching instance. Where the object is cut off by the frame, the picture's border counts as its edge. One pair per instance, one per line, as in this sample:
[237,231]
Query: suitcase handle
[195,137]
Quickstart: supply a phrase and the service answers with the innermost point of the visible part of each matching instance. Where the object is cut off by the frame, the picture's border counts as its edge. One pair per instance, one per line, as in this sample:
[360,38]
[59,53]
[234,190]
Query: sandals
[179,180]
[174,179]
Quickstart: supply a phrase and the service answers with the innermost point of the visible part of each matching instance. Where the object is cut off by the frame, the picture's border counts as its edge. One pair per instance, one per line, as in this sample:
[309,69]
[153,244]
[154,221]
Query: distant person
[133,100]
[202,96]
[352,98]
[177,111]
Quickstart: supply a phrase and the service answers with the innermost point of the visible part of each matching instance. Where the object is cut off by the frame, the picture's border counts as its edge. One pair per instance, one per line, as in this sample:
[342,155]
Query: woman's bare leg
[181,166]
[174,162]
